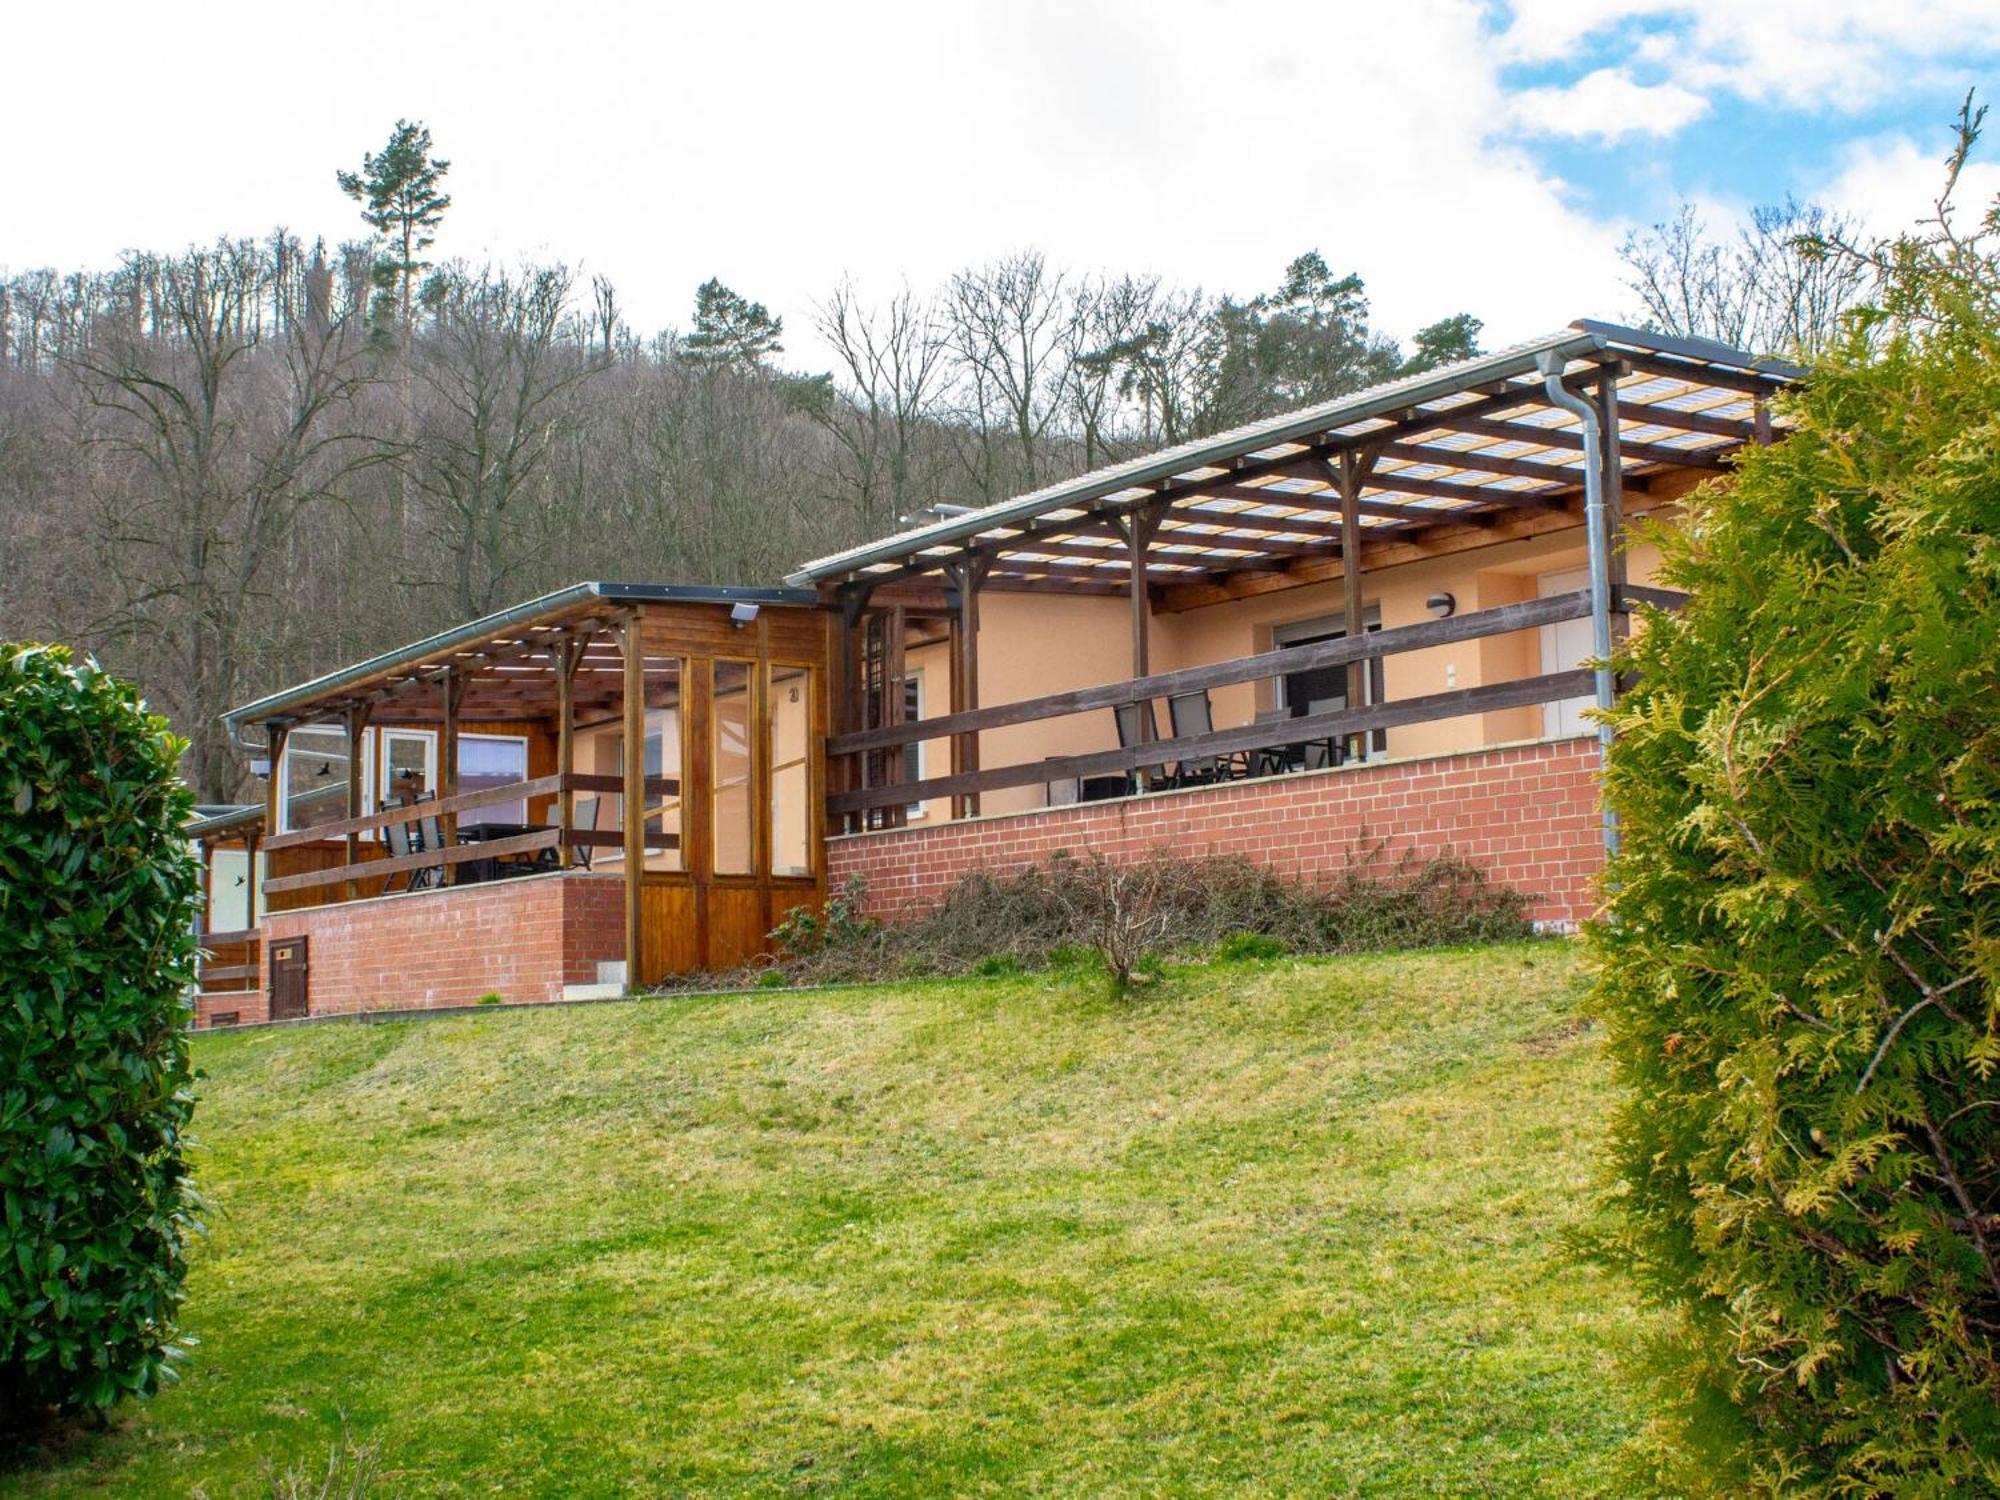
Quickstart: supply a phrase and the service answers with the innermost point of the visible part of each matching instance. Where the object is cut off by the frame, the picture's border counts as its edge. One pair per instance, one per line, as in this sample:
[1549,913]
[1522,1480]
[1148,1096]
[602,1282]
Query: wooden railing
[454,853]
[1338,724]
[230,962]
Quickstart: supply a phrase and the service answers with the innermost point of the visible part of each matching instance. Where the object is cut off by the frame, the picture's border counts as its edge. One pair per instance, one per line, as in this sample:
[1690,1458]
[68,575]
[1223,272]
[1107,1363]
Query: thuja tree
[98,896]
[1798,973]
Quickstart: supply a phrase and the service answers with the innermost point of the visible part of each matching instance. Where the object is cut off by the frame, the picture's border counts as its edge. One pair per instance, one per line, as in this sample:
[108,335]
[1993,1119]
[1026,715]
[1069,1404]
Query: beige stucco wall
[1035,644]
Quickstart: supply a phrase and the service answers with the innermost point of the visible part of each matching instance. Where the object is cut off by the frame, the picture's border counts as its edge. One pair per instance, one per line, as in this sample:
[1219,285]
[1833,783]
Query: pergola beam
[1505,396]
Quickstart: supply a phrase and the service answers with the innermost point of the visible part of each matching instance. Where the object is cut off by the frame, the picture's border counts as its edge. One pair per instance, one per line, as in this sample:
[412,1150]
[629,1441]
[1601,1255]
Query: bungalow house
[1363,626]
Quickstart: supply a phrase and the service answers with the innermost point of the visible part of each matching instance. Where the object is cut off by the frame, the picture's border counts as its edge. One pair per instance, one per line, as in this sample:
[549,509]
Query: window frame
[1374,686]
[492,810]
[769,770]
[282,772]
[388,732]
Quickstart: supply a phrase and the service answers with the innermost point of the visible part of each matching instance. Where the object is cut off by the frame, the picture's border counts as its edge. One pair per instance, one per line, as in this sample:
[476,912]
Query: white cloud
[1607,106]
[1890,183]
[1840,55]
[780,143]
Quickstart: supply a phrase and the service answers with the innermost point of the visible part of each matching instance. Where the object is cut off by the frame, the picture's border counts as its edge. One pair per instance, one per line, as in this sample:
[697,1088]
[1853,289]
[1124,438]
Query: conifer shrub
[1798,971]
[99,891]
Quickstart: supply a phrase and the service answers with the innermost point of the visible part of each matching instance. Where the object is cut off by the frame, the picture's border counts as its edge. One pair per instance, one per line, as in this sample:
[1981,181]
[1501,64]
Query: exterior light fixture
[742,614]
[1441,606]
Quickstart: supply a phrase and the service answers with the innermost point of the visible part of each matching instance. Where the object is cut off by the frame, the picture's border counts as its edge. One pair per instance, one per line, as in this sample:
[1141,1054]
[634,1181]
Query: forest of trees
[234,466]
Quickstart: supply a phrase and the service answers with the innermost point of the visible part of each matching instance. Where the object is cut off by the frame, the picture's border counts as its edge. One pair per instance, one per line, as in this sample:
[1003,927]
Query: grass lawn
[1281,1228]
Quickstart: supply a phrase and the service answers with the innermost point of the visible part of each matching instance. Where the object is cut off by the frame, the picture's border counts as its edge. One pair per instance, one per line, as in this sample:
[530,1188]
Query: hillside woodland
[235,465]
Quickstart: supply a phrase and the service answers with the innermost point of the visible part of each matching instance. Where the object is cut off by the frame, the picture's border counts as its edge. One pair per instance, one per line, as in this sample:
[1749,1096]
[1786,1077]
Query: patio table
[473,871]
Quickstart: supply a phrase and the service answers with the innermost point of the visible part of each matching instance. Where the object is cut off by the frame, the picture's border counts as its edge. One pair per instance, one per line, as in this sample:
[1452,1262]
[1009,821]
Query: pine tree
[1445,342]
[398,190]
[730,330]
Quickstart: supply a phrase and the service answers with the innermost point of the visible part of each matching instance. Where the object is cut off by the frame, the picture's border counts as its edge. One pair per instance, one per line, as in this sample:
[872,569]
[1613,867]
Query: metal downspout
[1551,364]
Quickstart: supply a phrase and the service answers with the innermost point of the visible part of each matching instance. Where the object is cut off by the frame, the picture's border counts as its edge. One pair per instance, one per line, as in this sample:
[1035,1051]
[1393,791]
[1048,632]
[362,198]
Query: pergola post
[250,842]
[357,730]
[850,701]
[1137,528]
[894,630]
[275,734]
[634,796]
[1350,475]
[564,657]
[454,691]
[1612,469]
[966,576]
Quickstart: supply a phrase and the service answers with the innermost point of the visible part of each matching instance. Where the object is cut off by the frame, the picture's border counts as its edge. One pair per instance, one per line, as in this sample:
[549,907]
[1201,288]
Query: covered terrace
[1294,592]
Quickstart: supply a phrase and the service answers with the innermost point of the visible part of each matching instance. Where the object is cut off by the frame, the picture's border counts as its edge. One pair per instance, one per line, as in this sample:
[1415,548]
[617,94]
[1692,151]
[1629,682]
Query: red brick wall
[524,939]
[246,1005]
[1526,814]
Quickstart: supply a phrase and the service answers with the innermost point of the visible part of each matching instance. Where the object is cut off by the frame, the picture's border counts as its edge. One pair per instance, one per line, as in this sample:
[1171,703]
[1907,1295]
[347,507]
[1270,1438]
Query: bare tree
[496,369]
[208,447]
[1011,326]
[885,403]
[1769,287]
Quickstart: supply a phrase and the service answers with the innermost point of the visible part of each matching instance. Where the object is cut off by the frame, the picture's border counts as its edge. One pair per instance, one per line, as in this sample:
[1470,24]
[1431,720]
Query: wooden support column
[1611,469]
[1760,422]
[454,694]
[357,737]
[966,576]
[851,697]
[1138,528]
[894,623]
[564,657]
[275,734]
[1350,475]
[634,796]
[250,842]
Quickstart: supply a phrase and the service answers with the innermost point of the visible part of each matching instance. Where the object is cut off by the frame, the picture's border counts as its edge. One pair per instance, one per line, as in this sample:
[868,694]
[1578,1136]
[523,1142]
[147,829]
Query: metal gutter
[1598,545]
[1376,401]
[519,614]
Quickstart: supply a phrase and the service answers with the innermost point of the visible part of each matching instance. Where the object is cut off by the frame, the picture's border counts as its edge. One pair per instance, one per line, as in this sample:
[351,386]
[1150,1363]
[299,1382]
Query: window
[490,760]
[1324,689]
[730,789]
[663,758]
[913,754]
[605,755]
[312,777]
[790,739]
[229,876]
[408,765]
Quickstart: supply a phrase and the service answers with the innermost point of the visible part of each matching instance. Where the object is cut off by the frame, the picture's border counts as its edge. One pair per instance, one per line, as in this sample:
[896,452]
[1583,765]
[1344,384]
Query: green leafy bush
[1799,976]
[99,892]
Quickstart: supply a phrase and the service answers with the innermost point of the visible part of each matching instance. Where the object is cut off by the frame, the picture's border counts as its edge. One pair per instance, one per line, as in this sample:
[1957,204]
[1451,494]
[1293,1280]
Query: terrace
[1404,575]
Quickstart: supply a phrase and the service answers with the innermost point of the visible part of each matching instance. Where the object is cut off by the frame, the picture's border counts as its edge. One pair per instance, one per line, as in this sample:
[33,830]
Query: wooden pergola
[1454,459]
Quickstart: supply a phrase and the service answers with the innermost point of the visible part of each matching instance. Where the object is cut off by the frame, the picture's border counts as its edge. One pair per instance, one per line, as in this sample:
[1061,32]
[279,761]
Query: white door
[1565,647]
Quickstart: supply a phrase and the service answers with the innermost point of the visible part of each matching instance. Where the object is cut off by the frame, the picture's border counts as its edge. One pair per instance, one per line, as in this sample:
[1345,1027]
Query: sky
[1462,156]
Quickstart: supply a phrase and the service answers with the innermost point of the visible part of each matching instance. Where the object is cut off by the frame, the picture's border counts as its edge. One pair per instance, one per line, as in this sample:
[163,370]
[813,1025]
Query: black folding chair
[430,835]
[1273,760]
[1131,717]
[1192,716]
[396,838]
[583,820]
